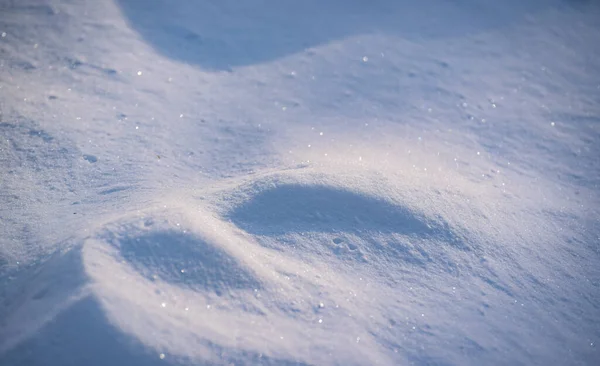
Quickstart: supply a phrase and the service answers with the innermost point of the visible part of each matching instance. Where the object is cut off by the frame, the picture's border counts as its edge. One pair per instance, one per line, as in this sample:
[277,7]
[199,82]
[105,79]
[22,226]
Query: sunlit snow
[278,182]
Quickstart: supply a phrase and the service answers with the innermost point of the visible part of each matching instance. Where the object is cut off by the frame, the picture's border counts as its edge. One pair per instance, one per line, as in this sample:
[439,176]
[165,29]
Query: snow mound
[301,266]
[108,282]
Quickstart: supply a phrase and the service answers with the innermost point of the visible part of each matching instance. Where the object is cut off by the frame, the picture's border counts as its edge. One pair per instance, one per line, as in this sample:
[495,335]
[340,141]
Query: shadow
[35,294]
[299,208]
[83,335]
[222,34]
[327,222]
[185,260]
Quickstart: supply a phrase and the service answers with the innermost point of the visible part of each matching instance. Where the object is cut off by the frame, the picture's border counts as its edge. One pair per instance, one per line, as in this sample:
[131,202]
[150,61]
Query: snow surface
[284,182]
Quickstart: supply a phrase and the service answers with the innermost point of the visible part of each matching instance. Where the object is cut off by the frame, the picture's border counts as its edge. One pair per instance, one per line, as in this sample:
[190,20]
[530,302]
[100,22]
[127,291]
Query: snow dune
[299,182]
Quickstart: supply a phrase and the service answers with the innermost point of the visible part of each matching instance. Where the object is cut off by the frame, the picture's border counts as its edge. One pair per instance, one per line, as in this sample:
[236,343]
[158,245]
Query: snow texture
[278,182]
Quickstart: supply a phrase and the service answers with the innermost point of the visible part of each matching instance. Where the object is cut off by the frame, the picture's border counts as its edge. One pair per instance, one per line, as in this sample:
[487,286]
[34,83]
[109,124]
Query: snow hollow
[262,182]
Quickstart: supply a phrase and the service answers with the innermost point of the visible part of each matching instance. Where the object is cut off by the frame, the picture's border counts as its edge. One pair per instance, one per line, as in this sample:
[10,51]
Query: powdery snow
[299,182]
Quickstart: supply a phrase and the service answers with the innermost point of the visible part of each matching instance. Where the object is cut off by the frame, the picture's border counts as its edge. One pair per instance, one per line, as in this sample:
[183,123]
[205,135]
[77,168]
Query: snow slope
[299,182]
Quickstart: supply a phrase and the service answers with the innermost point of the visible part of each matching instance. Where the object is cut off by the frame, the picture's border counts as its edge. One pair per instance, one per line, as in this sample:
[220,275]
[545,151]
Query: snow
[299,182]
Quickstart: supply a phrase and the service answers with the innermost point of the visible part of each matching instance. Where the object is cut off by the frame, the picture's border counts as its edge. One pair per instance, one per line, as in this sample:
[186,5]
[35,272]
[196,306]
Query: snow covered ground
[280,182]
